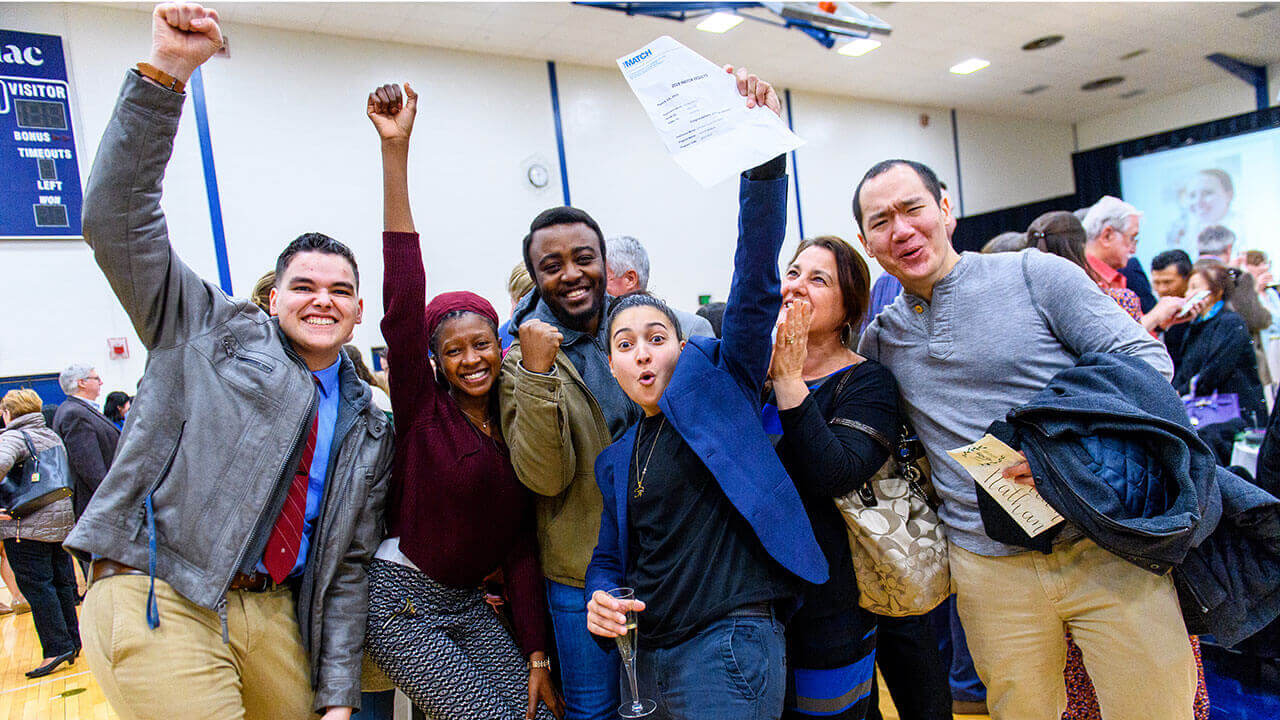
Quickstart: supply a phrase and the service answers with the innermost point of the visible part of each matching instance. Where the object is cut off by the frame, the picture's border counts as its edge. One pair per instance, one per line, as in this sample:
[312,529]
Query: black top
[1219,351]
[827,461]
[694,557]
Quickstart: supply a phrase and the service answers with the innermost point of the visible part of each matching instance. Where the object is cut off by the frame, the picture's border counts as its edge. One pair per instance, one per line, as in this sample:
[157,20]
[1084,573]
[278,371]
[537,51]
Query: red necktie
[286,537]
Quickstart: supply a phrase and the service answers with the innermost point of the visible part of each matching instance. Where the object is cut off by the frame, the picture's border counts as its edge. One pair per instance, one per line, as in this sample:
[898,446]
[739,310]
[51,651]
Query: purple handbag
[1211,409]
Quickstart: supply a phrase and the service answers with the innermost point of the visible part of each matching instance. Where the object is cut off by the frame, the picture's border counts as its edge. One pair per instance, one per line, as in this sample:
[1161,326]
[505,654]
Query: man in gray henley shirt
[971,337]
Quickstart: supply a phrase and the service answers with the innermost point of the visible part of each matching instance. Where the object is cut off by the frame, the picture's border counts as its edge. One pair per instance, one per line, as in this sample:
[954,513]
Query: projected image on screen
[1215,198]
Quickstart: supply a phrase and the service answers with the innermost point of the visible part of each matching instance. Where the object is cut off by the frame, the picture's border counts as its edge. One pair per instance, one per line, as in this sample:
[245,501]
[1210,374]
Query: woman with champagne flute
[700,517]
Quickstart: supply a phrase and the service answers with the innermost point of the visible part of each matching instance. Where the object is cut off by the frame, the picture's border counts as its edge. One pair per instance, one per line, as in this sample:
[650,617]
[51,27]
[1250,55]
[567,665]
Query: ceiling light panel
[970,66]
[720,22]
[859,47]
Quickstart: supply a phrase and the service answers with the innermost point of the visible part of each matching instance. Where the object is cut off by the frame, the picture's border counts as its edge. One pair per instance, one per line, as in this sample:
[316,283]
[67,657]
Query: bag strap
[31,448]
[875,434]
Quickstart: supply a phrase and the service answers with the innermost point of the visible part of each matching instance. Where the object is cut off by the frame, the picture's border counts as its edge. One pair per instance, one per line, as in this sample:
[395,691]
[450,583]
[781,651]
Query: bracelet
[162,78]
[540,664]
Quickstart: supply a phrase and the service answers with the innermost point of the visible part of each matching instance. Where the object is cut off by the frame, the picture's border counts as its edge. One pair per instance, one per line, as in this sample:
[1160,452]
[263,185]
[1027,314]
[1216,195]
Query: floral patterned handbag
[898,544]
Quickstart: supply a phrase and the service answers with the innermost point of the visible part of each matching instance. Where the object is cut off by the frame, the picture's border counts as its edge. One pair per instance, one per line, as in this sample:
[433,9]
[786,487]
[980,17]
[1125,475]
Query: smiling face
[905,229]
[813,276]
[468,353]
[570,273]
[316,301]
[1208,199]
[643,351]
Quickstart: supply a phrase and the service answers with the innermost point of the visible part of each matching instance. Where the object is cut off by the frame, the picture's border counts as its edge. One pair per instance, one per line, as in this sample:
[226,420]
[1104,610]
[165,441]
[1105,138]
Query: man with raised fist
[231,535]
[560,407]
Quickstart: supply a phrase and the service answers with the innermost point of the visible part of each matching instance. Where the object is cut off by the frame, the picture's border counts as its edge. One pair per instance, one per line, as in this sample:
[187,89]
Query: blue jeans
[588,673]
[734,669]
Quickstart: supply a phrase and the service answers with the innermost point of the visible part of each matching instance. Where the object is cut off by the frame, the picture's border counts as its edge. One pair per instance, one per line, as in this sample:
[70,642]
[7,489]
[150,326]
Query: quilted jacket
[1111,449]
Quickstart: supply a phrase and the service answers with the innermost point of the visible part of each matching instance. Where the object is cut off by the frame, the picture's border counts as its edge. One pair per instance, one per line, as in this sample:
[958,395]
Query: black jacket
[91,444]
[1220,353]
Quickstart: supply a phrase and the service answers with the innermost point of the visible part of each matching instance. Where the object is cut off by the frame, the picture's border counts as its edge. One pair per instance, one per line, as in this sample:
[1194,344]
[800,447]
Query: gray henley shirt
[998,329]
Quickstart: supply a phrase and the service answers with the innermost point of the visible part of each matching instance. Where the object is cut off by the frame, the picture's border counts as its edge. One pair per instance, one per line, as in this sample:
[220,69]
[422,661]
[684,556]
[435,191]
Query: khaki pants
[182,669]
[1126,621]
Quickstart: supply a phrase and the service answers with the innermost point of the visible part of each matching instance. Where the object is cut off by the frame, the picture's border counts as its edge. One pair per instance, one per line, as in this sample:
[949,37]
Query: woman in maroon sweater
[456,511]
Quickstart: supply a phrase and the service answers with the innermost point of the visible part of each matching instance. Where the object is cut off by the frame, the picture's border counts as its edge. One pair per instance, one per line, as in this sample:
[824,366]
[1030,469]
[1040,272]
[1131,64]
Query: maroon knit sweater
[455,501]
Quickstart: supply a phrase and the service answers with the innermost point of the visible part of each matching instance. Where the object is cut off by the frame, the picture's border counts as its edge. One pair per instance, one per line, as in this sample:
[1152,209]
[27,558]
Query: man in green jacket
[560,408]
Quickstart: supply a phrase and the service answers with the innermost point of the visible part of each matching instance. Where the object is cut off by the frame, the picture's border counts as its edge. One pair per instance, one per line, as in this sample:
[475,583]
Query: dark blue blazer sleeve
[756,293]
[607,568]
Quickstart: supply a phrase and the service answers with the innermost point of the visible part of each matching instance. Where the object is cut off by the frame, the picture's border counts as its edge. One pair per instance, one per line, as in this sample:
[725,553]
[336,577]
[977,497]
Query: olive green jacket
[555,430]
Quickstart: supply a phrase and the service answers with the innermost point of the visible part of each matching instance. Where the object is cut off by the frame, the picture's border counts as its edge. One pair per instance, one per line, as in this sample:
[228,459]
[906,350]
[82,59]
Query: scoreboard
[40,194]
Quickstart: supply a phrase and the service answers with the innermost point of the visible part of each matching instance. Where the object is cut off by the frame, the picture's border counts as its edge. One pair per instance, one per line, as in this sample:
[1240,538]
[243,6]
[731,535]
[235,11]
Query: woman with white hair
[33,543]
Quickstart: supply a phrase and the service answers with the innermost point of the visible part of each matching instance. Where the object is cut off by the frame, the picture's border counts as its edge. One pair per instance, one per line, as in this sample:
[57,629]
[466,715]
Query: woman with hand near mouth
[834,415]
[456,511]
[700,518]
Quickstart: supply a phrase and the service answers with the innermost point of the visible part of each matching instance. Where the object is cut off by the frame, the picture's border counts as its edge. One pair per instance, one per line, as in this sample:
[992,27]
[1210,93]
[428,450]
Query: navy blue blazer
[713,401]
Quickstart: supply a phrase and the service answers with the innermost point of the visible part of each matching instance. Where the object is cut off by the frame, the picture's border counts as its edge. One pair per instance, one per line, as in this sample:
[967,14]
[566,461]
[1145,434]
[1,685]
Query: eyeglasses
[94,377]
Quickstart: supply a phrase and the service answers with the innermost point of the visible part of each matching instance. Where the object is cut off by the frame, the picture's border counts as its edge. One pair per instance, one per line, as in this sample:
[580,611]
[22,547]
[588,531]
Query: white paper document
[699,114]
[985,460]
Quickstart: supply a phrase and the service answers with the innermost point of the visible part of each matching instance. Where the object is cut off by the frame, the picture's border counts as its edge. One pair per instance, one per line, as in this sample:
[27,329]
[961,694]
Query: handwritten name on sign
[986,460]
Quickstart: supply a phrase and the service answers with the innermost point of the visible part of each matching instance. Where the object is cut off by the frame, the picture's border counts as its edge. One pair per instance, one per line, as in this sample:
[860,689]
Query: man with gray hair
[89,436]
[1111,238]
[628,273]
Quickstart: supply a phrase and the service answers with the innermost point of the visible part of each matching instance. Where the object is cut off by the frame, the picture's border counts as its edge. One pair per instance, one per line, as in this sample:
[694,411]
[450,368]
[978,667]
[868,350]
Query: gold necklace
[484,424]
[645,468]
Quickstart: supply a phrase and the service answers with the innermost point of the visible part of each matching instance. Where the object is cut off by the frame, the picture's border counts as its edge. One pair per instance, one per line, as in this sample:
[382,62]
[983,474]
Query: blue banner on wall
[40,193]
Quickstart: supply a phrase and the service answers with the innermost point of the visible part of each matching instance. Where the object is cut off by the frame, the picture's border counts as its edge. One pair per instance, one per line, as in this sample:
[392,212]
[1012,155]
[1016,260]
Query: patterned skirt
[444,647]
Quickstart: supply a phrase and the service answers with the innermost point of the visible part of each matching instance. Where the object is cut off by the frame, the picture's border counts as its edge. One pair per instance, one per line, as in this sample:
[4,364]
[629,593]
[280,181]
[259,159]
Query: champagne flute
[638,707]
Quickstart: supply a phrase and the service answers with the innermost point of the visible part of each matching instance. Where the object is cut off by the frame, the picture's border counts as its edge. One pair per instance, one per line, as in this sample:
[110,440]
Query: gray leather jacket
[216,426]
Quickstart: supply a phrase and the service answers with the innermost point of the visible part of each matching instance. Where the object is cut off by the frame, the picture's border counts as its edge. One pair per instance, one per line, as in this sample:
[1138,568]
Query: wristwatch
[162,78]
[541,664]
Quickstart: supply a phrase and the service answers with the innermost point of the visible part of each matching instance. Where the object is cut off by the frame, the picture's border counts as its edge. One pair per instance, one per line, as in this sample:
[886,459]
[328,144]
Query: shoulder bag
[899,546]
[42,478]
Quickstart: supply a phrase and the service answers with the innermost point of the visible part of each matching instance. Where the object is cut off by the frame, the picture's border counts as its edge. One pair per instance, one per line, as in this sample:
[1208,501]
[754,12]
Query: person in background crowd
[1111,237]
[456,511]
[1214,354]
[713,313]
[261,295]
[561,407]
[1169,273]
[1217,242]
[628,273]
[90,437]
[380,396]
[33,543]
[1006,242]
[251,484]
[1060,233]
[116,407]
[700,517]
[519,284]
[1258,265]
[938,340]
[1136,280]
[833,416]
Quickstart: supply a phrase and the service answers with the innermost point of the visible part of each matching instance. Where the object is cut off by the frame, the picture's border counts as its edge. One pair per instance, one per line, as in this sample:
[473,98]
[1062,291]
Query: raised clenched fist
[392,112]
[183,36]
[539,342]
